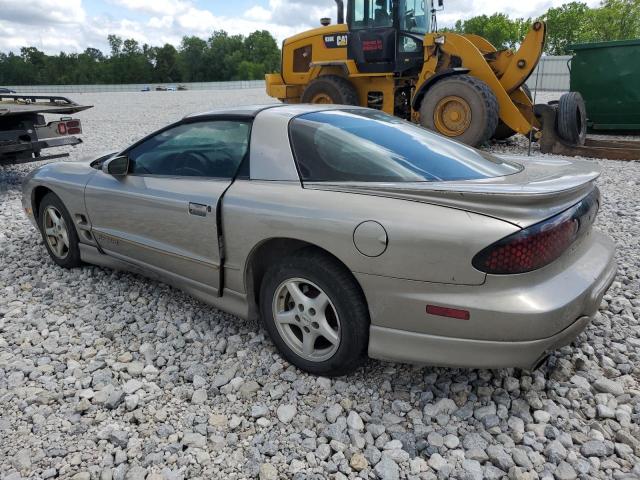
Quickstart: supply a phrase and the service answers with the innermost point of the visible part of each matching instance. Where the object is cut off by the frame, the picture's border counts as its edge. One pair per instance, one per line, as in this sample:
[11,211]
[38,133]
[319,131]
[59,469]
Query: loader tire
[571,121]
[503,131]
[330,89]
[461,107]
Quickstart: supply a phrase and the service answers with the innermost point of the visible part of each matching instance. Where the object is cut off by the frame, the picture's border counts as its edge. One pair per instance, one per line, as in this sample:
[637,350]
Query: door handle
[198,209]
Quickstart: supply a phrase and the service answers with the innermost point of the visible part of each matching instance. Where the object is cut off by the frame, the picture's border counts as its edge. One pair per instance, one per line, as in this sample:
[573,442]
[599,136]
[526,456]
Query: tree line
[236,57]
[568,24]
[221,57]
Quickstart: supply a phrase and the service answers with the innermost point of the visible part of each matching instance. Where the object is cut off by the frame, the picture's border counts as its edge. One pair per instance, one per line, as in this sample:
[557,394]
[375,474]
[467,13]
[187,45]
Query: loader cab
[386,35]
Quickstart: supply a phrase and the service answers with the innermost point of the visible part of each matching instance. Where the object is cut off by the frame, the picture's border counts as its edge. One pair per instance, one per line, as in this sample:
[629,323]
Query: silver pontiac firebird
[347,231]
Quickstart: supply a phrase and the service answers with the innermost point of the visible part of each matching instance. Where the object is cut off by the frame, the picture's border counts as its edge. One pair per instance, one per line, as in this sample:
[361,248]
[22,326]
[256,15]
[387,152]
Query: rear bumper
[39,145]
[410,347]
[514,319]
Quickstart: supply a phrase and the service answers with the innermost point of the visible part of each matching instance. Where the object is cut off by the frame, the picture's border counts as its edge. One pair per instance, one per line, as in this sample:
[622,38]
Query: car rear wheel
[461,107]
[59,235]
[315,313]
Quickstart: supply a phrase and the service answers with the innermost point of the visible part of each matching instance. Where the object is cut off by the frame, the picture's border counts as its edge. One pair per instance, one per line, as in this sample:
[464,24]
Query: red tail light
[71,127]
[540,244]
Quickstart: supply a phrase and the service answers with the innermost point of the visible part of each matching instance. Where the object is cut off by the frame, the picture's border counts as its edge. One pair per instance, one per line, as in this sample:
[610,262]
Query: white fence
[551,74]
[135,87]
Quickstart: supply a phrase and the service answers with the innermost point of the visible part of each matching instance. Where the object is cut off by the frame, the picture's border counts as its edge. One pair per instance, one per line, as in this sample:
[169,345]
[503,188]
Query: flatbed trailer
[25,132]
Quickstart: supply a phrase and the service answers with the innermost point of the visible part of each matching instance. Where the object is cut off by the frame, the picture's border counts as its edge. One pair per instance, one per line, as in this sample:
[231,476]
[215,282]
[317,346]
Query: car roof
[240,111]
[284,109]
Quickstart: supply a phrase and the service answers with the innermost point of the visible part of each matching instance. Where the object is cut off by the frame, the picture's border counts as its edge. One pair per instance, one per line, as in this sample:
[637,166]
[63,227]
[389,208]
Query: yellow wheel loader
[387,56]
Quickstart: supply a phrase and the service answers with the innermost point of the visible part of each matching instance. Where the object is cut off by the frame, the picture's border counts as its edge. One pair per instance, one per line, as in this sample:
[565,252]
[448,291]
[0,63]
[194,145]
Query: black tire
[71,259]
[346,298]
[571,121]
[480,98]
[340,90]
[503,131]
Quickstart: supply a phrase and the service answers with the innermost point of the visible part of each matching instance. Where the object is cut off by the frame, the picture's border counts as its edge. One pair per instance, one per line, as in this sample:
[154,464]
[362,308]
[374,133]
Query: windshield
[414,16]
[370,146]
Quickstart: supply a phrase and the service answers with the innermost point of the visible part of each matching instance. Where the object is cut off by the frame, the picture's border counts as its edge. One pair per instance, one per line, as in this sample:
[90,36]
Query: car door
[372,35]
[162,214]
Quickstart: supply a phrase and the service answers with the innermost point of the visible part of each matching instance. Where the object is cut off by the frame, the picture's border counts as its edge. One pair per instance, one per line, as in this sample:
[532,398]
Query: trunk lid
[544,187]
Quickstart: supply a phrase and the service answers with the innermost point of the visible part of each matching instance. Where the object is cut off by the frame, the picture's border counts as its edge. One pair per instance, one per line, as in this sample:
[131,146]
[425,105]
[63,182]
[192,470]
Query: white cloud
[54,25]
[64,26]
[160,23]
[462,9]
[258,13]
[155,7]
[301,13]
[38,12]
[197,20]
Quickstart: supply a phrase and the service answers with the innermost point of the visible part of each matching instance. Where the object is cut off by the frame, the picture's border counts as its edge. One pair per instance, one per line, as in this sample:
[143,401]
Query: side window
[413,16]
[359,13]
[371,146]
[409,44]
[371,13]
[382,15]
[200,149]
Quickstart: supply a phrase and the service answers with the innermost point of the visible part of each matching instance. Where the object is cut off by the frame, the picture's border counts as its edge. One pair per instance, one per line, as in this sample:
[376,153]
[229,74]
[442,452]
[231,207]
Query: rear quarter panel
[425,242]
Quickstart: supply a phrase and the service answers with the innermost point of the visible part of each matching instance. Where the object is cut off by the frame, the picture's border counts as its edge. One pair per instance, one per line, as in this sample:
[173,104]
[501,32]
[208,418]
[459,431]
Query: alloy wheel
[306,319]
[56,232]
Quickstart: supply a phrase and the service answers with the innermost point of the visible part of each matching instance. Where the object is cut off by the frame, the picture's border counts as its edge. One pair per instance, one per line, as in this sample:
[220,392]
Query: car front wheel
[59,235]
[316,314]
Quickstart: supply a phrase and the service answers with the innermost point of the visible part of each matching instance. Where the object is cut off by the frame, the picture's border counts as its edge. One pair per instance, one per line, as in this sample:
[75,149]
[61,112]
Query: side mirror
[116,166]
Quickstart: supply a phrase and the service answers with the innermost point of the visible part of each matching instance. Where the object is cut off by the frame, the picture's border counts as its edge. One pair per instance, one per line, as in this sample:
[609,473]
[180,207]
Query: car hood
[544,187]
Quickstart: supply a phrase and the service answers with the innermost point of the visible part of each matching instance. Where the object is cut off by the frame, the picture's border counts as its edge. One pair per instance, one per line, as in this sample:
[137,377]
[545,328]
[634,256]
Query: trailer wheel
[330,89]
[503,131]
[462,107]
[571,121]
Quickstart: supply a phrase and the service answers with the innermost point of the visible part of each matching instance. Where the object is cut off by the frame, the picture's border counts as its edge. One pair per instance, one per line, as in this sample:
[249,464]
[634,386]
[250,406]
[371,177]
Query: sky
[73,25]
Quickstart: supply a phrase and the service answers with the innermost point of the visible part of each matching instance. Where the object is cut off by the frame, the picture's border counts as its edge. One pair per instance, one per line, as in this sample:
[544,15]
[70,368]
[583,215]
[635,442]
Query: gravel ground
[110,375]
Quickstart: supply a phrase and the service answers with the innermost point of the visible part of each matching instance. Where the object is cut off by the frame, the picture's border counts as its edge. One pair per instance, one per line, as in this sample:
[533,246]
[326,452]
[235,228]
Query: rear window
[369,146]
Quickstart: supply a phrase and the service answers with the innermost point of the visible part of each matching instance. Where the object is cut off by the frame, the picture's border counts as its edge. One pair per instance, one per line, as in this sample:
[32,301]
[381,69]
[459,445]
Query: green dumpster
[607,74]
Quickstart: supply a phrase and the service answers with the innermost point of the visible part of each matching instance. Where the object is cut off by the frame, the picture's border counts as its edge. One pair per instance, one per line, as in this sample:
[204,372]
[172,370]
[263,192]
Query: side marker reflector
[448,312]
